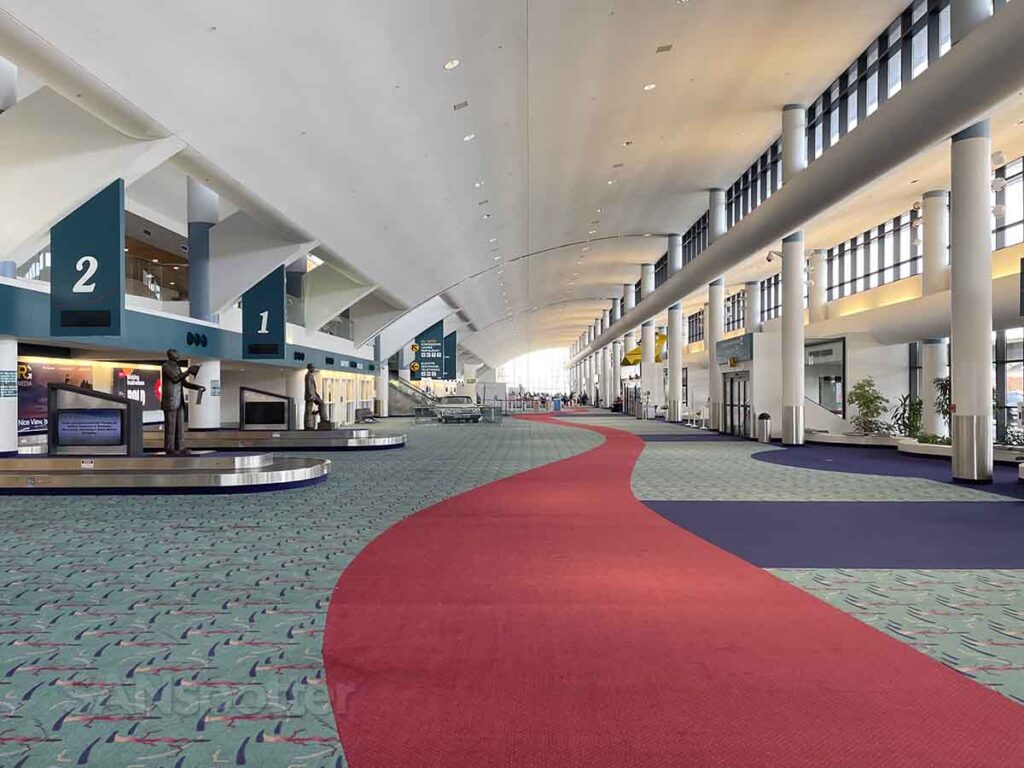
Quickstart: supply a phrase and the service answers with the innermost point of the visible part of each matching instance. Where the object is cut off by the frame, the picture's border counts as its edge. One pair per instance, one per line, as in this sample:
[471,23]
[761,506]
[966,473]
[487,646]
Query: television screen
[90,427]
[261,412]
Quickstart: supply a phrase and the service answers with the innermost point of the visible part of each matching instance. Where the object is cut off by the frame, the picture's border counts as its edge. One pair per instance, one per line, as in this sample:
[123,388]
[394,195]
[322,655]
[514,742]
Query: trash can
[556,404]
[764,428]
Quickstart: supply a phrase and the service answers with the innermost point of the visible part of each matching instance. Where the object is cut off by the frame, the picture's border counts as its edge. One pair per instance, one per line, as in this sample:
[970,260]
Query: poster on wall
[143,386]
[33,379]
[429,348]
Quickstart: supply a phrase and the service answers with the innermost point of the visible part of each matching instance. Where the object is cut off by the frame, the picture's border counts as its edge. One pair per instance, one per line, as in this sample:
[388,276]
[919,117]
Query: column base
[972,447]
[675,411]
[715,420]
[792,425]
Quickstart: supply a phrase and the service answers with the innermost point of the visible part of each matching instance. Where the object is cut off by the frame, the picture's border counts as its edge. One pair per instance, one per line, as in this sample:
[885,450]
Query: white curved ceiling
[341,116]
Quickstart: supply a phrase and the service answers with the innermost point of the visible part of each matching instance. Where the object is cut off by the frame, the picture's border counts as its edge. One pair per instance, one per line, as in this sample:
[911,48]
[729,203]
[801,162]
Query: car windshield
[457,400]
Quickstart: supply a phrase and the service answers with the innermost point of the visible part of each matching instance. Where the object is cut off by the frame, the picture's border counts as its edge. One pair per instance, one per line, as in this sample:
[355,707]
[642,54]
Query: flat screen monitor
[268,413]
[88,427]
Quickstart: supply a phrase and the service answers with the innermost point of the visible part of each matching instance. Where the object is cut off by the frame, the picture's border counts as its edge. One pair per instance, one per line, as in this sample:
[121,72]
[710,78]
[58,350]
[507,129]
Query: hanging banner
[263,318]
[87,267]
[450,357]
[429,349]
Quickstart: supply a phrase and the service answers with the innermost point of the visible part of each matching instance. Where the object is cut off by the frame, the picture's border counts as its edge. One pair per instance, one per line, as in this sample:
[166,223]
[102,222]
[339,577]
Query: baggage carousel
[354,439]
[196,473]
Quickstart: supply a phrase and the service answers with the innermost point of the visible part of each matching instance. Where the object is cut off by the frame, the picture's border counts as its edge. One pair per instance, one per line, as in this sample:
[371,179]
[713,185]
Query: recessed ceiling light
[599,210]
[493,240]
[156,261]
[451,64]
[497,258]
[592,232]
[610,182]
[627,143]
[487,215]
[478,184]
[585,248]
[650,87]
[469,137]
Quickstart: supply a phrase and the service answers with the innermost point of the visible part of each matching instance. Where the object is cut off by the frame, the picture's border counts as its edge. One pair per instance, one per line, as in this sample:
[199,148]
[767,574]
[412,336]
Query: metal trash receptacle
[764,428]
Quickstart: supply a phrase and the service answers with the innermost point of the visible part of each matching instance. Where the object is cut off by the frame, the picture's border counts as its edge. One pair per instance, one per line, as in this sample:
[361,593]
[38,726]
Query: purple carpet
[857,534]
[867,460]
[686,437]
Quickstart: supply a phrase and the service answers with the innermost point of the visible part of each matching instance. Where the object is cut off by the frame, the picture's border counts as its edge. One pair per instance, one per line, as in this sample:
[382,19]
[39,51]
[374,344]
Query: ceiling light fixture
[478,184]
[627,143]
[650,87]
[469,137]
[493,240]
[610,182]
[451,64]
[592,232]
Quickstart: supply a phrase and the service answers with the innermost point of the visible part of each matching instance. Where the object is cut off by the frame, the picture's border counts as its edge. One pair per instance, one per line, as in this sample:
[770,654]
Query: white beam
[327,292]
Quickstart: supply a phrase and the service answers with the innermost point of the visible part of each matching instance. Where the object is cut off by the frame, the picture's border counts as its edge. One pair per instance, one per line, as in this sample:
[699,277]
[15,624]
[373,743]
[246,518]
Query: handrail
[403,386]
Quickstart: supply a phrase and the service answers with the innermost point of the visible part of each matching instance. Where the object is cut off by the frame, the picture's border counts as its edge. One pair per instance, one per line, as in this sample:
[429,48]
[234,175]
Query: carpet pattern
[549,619]
[186,630]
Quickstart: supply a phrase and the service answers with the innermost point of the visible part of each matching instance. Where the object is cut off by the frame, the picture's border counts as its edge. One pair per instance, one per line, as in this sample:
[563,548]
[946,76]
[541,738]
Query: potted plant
[871,404]
[907,416]
[942,397]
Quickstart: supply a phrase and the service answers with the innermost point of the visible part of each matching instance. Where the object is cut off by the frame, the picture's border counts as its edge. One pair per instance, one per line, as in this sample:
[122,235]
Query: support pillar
[8,85]
[794,140]
[714,330]
[381,382]
[648,368]
[203,214]
[793,339]
[752,307]
[817,285]
[934,365]
[675,363]
[934,265]
[206,415]
[8,396]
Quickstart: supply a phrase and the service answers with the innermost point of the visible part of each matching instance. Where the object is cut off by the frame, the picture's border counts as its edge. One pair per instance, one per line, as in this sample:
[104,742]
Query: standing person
[314,403]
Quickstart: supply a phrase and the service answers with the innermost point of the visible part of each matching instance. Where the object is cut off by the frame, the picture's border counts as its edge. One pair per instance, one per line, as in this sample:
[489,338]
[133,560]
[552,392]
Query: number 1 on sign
[264,319]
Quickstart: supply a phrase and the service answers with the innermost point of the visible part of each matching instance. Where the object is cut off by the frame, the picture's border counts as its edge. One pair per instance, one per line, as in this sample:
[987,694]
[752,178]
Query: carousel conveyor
[354,439]
[200,472]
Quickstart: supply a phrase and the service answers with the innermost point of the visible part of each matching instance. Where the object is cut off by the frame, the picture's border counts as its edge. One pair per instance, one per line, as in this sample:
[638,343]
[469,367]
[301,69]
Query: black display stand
[84,422]
[266,413]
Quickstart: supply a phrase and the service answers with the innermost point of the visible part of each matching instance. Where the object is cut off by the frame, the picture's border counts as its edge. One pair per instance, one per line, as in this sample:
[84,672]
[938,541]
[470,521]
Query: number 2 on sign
[264,318]
[86,267]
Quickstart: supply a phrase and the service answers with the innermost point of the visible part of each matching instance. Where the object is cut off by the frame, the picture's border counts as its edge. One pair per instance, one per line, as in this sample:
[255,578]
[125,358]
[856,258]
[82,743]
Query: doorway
[737,404]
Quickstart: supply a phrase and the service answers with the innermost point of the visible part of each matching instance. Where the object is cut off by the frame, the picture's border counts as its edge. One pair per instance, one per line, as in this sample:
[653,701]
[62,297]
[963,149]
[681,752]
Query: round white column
[717,221]
[8,396]
[675,253]
[934,266]
[713,332]
[971,305]
[381,386]
[8,85]
[296,390]
[793,339]
[752,307]
[206,415]
[817,286]
[675,362]
[794,140]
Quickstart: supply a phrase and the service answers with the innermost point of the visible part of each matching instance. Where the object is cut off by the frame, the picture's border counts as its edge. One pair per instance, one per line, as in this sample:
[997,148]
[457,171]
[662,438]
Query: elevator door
[737,404]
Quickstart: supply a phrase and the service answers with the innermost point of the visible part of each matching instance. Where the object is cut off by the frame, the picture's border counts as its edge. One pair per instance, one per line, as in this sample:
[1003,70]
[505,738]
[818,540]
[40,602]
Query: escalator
[404,399]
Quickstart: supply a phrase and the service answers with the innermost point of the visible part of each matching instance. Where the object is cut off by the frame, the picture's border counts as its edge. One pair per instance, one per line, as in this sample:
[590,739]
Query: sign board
[263,318]
[451,356]
[735,350]
[429,349]
[33,380]
[87,267]
[829,353]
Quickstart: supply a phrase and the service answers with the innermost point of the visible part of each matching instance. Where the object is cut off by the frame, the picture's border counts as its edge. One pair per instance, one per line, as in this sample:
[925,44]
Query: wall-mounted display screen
[90,427]
[269,413]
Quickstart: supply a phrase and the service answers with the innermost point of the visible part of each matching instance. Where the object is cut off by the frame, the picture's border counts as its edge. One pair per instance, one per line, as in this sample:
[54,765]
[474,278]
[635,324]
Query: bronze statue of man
[314,403]
[172,400]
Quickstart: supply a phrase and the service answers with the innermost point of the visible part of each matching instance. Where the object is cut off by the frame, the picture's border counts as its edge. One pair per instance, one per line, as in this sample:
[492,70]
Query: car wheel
[476,419]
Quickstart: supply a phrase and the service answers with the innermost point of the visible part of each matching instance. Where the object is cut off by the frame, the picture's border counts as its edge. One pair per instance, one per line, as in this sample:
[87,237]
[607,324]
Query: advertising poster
[143,386]
[32,383]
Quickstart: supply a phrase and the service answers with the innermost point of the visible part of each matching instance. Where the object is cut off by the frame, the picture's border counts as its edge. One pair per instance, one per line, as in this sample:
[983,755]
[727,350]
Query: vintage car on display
[457,408]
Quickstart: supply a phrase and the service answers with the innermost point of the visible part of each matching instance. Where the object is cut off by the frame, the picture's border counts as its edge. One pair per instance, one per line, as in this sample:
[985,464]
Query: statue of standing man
[314,403]
[173,380]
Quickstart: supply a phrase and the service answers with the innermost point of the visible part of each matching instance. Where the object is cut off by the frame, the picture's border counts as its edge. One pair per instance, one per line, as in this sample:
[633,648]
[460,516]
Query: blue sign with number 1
[263,318]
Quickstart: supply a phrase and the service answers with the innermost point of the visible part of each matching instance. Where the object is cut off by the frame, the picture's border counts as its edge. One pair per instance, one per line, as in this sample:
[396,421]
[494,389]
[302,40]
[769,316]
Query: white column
[794,140]
[202,205]
[971,280]
[628,303]
[8,396]
[717,221]
[675,362]
[934,365]
[817,285]
[616,353]
[971,304]
[206,414]
[714,329]
[381,387]
[296,390]
[934,266]
[793,339]
[606,362]
[648,373]
[752,307]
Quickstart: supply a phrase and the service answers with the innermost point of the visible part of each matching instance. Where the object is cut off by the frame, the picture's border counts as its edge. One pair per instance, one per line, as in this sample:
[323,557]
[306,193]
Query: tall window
[695,327]
[883,254]
[759,182]
[771,297]
[1009,220]
[734,311]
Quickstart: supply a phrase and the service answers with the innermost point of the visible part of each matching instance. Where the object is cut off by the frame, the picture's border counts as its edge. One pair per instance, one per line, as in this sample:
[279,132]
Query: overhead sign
[87,267]
[451,356]
[263,318]
[735,350]
[429,349]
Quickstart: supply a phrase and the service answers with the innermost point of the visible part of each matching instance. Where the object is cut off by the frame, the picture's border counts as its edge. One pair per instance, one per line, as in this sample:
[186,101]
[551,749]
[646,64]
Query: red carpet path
[550,619]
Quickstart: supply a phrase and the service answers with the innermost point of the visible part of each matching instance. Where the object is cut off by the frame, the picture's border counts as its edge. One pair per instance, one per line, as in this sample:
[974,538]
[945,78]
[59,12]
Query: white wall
[256,376]
[887,364]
